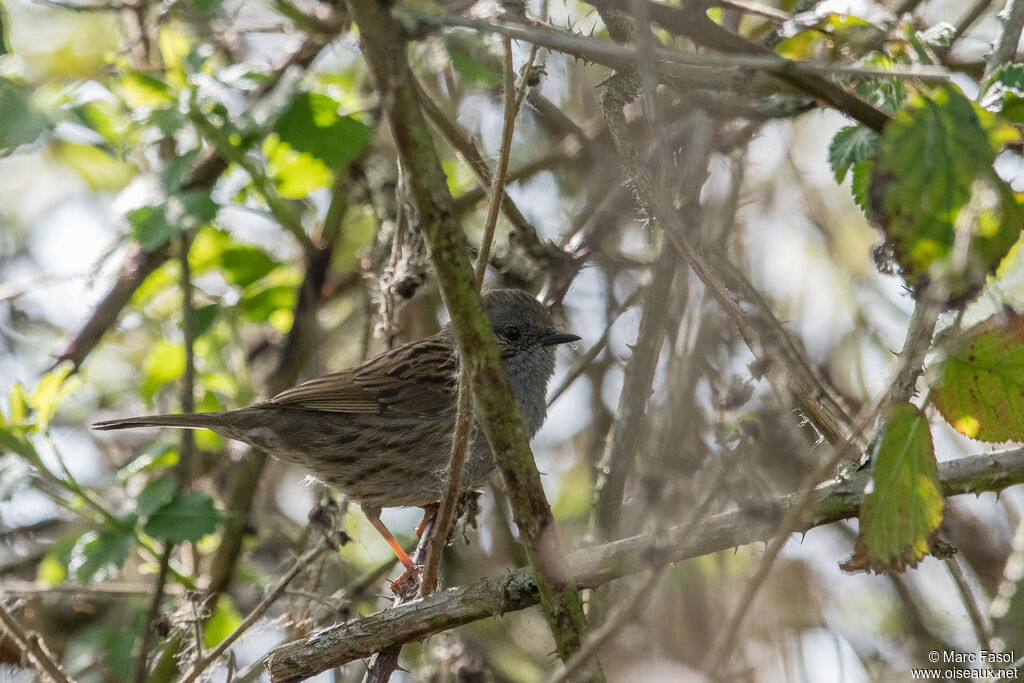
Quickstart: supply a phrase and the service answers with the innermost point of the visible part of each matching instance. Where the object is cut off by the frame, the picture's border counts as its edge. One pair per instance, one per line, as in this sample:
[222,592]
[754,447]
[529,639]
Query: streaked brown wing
[413,379]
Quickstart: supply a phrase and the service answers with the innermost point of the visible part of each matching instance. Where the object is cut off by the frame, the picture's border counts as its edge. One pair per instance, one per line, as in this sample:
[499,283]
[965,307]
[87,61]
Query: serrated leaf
[850,146]
[903,510]
[312,126]
[981,388]
[98,554]
[165,362]
[222,623]
[935,156]
[860,184]
[188,516]
[155,495]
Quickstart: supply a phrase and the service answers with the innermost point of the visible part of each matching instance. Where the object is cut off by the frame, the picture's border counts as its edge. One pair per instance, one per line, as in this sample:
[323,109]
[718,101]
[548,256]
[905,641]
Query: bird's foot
[407,585]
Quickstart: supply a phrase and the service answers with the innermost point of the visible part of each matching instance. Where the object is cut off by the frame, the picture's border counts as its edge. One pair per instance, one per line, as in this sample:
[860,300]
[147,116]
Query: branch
[594,566]
[808,77]
[1010,29]
[31,646]
[140,263]
[496,409]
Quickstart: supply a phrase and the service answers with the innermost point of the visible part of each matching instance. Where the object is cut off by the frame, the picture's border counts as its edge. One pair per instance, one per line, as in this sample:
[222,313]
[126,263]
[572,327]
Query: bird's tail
[187,421]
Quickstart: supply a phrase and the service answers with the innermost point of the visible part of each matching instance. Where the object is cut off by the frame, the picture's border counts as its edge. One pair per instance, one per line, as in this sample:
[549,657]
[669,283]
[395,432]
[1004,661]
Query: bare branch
[597,565]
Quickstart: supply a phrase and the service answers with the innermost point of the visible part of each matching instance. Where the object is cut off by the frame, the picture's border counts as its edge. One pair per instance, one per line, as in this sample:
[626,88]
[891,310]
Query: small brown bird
[381,432]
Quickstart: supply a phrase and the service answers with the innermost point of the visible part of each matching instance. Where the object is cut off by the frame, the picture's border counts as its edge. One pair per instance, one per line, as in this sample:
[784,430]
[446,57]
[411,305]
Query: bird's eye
[512,333]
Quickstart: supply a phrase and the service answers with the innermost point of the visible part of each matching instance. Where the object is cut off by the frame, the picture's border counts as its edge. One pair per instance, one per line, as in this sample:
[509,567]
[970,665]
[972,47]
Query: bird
[381,432]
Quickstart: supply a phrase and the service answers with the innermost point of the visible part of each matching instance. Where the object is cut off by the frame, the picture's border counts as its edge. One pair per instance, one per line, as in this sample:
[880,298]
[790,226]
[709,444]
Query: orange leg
[403,557]
[429,514]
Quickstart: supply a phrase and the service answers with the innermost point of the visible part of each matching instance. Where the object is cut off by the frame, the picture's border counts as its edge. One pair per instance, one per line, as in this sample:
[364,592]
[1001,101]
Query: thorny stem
[597,565]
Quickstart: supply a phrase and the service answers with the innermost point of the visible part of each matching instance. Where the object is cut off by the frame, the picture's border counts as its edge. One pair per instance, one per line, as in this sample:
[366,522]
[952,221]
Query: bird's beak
[553,337]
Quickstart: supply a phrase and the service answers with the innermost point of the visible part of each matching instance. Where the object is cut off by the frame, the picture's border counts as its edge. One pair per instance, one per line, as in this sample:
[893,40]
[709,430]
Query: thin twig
[31,646]
[464,417]
[498,184]
[152,613]
[1005,47]
[634,604]
[271,597]
[581,363]
[982,626]
[596,565]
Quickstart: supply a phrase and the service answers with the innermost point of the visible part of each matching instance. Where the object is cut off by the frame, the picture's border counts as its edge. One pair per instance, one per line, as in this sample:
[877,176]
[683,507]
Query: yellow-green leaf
[222,623]
[164,363]
[981,388]
[52,389]
[903,509]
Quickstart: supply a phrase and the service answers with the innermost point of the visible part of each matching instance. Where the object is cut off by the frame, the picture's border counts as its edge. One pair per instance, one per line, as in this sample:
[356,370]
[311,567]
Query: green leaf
[935,156]
[860,184]
[981,388]
[245,265]
[165,362]
[264,303]
[188,516]
[156,494]
[295,173]
[850,146]
[312,126]
[97,554]
[96,166]
[150,226]
[106,118]
[51,391]
[20,121]
[903,509]
[205,316]
[19,404]
[141,89]
[53,568]
[15,440]
[222,623]
[173,172]
[199,206]
[888,94]
[473,70]
[1004,92]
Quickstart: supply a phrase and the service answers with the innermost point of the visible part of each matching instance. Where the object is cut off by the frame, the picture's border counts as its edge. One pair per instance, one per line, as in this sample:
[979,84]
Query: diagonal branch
[597,565]
[385,52]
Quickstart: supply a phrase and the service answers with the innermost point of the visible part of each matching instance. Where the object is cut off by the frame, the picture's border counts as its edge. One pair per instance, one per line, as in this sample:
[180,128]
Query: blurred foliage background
[233,154]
